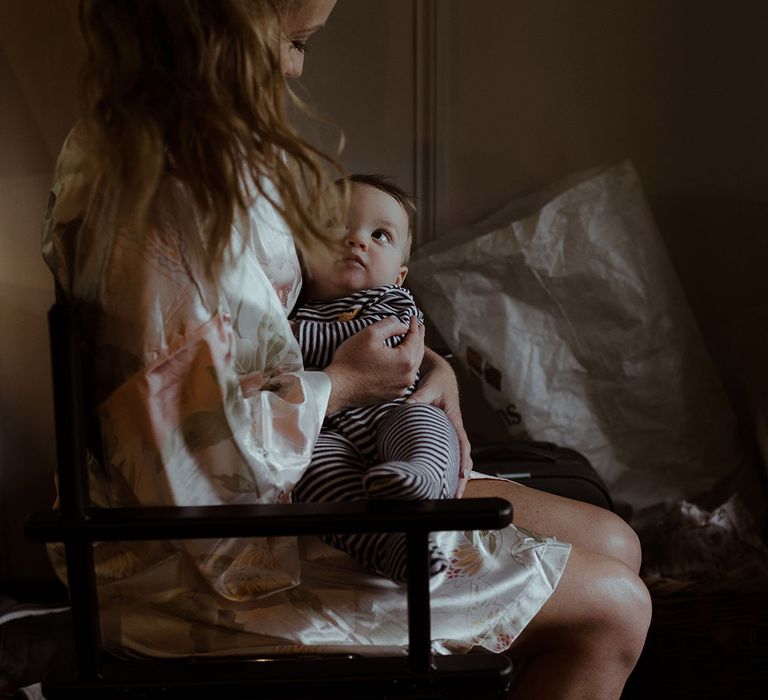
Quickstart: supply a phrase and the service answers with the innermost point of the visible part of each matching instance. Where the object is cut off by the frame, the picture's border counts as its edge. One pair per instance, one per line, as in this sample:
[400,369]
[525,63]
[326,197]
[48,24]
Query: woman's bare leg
[586,639]
[581,524]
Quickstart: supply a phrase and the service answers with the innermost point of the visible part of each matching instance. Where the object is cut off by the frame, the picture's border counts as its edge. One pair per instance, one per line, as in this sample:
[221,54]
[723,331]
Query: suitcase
[544,466]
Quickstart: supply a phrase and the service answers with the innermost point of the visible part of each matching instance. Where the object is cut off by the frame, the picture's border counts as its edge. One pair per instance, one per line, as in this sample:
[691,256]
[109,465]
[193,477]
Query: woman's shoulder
[78,152]
[75,175]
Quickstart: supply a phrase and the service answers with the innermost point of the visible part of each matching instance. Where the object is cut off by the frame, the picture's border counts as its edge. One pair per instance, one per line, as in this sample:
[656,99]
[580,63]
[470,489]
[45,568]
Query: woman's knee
[619,612]
[600,607]
[615,538]
[589,634]
[628,606]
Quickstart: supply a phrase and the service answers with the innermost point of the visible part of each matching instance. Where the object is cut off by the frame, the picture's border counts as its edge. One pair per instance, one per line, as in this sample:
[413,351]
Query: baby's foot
[401,480]
[391,559]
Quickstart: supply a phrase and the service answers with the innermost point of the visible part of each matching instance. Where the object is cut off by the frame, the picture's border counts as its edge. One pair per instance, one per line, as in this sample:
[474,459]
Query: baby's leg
[420,455]
[336,474]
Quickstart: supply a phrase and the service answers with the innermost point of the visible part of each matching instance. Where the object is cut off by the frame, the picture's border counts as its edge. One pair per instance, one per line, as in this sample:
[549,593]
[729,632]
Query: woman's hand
[438,387]
[366,371]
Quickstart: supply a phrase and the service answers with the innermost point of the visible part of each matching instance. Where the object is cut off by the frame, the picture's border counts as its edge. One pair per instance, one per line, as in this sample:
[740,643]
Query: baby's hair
[385,184]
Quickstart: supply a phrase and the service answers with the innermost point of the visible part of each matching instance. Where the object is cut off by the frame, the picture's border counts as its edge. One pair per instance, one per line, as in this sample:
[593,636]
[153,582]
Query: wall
[359,74]
[38,53]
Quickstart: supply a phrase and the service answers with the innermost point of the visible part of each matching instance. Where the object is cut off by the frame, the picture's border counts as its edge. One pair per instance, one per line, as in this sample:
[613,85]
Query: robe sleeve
[203,399]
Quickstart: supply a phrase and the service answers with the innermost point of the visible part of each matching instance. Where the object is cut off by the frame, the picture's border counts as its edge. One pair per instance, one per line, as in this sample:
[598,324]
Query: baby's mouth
[354,259]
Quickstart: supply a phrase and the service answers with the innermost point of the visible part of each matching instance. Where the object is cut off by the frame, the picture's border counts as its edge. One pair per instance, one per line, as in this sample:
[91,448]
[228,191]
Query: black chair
[78,524]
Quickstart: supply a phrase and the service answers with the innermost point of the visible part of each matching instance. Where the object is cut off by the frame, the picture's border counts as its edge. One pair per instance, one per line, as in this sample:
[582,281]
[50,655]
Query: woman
[168,223]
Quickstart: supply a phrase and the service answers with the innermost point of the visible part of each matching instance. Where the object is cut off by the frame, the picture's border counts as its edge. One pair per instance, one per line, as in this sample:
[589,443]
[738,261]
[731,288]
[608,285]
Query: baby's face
[370,251]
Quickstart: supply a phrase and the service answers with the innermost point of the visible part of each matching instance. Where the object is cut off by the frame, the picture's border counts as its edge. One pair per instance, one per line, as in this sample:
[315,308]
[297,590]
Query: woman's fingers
[365,370]
[386,328]
[462,485]
[407,356]
[465,449]
[413,342]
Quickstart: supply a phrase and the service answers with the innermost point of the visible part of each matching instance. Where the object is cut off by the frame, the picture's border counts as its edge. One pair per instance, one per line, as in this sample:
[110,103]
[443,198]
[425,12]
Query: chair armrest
[269,520]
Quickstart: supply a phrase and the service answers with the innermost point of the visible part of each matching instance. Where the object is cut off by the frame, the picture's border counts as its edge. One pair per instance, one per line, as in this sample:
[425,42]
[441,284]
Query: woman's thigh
[588,527]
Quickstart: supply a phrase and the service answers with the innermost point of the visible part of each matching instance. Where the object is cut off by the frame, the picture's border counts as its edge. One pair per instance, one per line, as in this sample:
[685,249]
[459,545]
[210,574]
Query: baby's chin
[328,292]
[339,286]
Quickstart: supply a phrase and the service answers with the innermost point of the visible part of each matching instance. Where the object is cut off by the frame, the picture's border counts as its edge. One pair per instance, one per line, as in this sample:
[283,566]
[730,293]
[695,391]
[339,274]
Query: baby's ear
[401,276]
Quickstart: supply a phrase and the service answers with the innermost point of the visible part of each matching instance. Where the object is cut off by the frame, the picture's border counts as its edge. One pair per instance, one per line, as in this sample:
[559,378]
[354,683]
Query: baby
[389,450]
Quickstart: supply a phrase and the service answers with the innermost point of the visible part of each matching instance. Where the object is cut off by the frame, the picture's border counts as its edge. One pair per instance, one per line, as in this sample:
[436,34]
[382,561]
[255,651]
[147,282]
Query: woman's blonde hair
[194,89]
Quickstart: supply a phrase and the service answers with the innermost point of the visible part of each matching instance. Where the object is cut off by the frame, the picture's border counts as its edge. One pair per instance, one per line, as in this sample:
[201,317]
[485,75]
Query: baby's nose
[354,241]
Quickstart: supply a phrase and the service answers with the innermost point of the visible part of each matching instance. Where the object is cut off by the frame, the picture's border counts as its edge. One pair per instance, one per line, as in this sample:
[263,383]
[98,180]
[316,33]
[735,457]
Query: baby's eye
[381,234]
[299,45]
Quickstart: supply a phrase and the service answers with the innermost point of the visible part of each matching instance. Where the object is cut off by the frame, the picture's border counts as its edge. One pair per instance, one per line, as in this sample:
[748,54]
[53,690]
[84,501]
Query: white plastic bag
[565,305]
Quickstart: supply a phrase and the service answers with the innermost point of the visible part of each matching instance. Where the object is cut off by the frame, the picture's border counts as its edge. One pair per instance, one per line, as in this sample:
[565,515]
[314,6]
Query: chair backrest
[78,524]
[69,408]
[70,420]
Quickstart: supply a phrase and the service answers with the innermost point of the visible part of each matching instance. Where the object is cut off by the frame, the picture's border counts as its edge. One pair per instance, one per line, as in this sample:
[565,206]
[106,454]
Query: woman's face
[301,20]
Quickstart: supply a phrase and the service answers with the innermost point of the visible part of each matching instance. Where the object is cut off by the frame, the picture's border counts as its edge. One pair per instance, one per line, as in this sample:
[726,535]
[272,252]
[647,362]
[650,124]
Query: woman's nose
[293,65]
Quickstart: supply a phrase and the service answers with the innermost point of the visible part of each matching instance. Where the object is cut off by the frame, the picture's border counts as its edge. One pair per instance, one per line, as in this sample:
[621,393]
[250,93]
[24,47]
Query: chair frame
[78,524]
